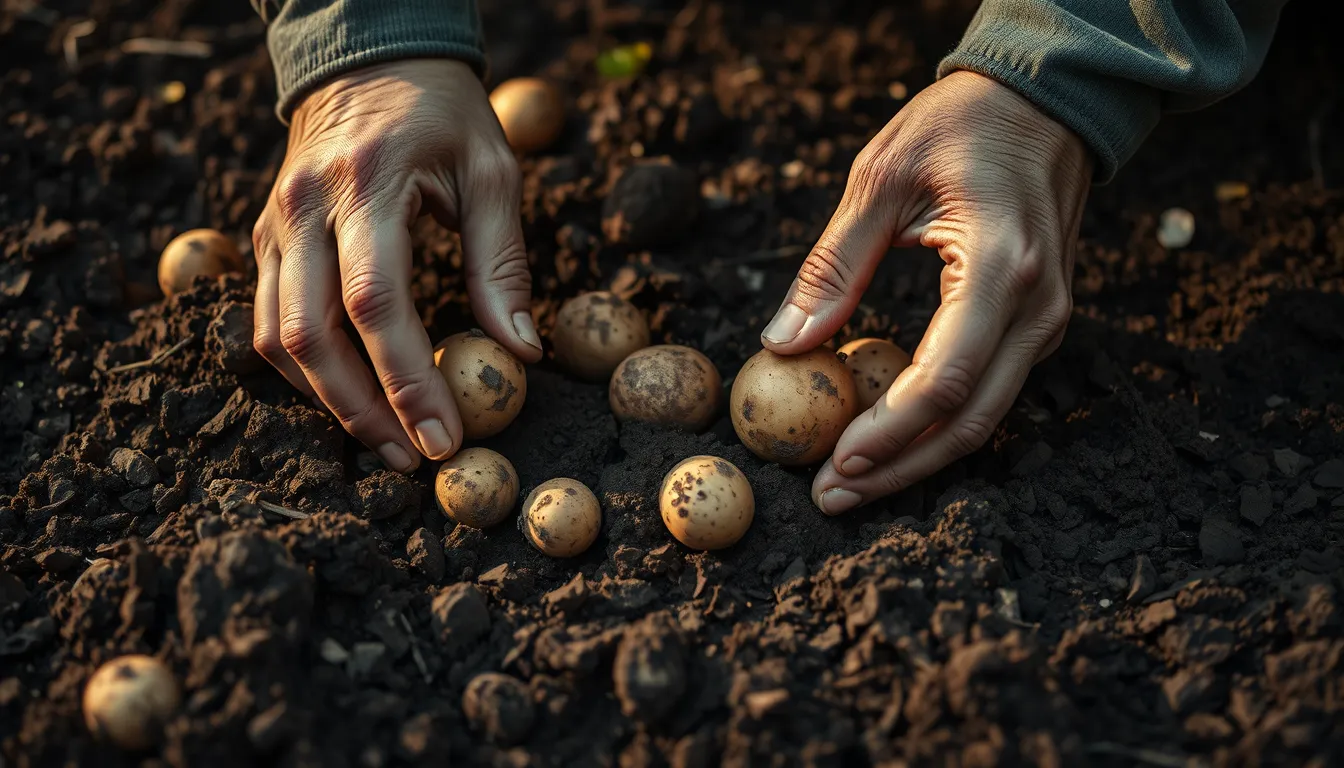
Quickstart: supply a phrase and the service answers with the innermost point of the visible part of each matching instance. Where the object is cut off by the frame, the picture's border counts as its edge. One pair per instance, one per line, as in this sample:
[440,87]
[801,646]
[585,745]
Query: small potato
[875,364]
[488,383]
[197,253]
[668,385]
[594,332]
[477,487]
[561,517]
[792,409]
[128,700]
[530,111]
[707,503]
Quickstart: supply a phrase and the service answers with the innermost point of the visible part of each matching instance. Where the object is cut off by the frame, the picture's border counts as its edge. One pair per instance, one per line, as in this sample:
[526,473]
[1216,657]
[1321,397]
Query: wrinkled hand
[972,169]
[369,152]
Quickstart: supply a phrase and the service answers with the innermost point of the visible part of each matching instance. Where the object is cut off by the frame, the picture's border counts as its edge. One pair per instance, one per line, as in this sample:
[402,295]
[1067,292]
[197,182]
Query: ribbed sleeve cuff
[1066,67]
[314,40]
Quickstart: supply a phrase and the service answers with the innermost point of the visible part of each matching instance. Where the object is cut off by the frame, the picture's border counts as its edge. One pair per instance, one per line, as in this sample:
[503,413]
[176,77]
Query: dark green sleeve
[313,40]
[1109,69]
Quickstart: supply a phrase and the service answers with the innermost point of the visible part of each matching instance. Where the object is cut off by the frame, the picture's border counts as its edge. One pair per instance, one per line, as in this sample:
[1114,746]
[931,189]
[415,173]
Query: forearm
[1109,70]
[313,40]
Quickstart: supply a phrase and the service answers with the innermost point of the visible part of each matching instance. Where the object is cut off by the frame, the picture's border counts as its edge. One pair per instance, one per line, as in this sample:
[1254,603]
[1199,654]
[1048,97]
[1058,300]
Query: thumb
[499,280]
[831,280]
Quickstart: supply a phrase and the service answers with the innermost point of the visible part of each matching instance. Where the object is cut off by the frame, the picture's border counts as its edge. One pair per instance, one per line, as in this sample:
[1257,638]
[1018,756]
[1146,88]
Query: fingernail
[396,457]
[434,438]
[786,326]
[527,331]
[838,500]
[855,466]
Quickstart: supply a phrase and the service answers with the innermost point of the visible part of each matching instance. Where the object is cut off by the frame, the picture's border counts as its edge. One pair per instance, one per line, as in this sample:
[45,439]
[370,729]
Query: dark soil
[1143,568]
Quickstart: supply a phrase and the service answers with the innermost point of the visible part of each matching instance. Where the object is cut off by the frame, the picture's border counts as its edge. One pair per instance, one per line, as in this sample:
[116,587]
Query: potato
[488,383]
[706,503]
[128,700]
[792,409]
[667,385]
[530,111]
[197,253]
[594,332]
[477,488]
[875,364]
[561,517]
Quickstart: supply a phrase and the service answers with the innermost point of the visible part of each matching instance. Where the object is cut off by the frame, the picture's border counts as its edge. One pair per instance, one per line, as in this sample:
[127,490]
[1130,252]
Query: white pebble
[1176,228]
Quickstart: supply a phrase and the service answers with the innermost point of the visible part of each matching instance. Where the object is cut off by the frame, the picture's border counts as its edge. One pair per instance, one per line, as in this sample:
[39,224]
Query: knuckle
[825,274]
[407,389]
[947,386]
[301,337]
[498,168]
[1056,314]
[970,433]
[894,480]
[267,344]
[371,300]
[354,415]
[509,267]
[295,195]
[1027,269]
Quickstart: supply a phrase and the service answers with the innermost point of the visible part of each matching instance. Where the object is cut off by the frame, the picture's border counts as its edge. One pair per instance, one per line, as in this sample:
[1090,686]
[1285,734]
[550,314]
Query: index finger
[375,257]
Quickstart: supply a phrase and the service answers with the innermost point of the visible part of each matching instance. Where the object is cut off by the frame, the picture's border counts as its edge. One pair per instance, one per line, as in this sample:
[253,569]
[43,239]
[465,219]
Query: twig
[154,46]
[156,359]
[415,648]
[70,44]
[1148,756]
[292,514]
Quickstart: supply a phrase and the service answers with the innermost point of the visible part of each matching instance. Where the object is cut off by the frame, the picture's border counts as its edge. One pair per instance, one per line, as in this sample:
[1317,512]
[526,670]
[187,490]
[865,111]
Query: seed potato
[707,503]
[792,409]
[488,383]
[561,517]
[667,385]
[128,700]
[477,488]
[875,364]
[197,253]
[530,111]
[594,332]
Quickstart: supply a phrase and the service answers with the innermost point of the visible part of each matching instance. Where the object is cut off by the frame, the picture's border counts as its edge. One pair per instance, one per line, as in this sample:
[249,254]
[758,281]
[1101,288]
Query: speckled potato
[530,111]
[707,503]
[488,383]
[128,700]
[477,487]
[595,332]
[875,364]
[195,253]
[792,409]
[668,385]
[561,517]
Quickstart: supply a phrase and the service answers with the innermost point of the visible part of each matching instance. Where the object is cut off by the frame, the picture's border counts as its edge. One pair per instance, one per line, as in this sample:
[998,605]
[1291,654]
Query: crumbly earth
[1144,567]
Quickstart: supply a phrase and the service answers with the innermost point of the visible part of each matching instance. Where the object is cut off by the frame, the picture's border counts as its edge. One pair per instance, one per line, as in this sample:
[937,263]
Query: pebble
[135,466]
[1288,461]
[425,551]
[1176,228]
[332,652]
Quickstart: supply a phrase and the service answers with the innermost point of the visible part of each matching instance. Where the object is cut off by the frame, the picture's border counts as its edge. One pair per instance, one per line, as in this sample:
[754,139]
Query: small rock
[499,707]
[135,466]
[1144,581]
[761,703]
[508,582]
[1331,474]
[1274,401]
[460,616]
[333,652]
[569,597]
[1176,228]
[363,658]
[58,559]
[1288,461]
[425,551]
[229,339]
[1250,466]
[649,672]
[1257,503]
[1220,541]
[1302,500]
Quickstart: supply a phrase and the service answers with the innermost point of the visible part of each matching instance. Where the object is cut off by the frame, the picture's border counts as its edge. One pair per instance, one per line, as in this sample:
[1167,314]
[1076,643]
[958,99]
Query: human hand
[369,152]
[972,169]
